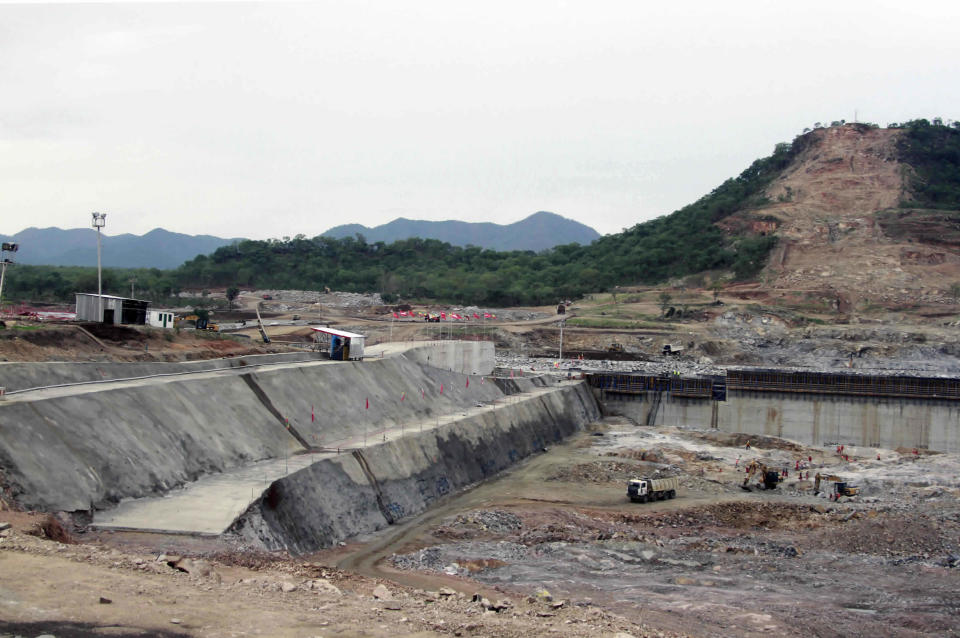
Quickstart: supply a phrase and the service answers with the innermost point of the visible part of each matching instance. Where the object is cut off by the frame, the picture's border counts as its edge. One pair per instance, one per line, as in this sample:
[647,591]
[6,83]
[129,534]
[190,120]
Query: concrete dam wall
[812,419]
[369,489]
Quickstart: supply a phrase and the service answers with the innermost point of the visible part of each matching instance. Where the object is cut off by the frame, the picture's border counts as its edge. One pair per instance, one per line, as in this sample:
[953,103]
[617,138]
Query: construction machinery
[766,478]
[842,488]
[641,490]
[615,347]
[263,333]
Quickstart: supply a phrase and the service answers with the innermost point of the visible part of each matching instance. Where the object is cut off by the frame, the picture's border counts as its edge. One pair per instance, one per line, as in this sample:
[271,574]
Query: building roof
[93,294]
[339,333]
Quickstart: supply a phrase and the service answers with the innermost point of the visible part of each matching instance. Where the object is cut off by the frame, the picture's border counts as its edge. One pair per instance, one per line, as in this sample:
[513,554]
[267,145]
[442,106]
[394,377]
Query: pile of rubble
[294,299]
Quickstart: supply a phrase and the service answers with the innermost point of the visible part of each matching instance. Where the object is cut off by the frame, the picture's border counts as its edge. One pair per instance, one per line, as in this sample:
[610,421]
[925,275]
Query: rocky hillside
[843,240]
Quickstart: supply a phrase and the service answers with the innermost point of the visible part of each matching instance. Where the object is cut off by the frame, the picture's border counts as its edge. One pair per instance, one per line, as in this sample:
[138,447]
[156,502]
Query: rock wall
[361,492]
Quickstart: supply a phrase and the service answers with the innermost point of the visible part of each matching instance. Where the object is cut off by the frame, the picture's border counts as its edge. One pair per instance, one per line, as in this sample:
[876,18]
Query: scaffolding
[849,384]
[777,381]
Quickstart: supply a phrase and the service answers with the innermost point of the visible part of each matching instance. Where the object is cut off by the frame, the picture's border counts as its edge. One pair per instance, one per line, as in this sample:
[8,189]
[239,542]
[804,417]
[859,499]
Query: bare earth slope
[827,211]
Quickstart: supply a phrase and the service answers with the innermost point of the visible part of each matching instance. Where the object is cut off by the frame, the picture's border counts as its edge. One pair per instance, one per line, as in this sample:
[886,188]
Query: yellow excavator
[767,479]
[840,486]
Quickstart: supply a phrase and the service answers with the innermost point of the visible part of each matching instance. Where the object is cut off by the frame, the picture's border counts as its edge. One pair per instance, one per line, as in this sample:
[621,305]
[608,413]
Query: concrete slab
[205,507]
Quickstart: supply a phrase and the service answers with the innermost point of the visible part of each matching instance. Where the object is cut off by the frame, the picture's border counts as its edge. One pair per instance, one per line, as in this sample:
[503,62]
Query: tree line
[682,243]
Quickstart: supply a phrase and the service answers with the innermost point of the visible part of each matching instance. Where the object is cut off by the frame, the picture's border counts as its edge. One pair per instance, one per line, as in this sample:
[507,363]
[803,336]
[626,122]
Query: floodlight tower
[99,221]
[5,248]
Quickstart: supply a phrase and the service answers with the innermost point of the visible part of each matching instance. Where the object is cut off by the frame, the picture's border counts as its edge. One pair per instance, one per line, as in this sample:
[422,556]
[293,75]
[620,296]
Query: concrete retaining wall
[90,450]
[465,357]
[352,494]
[19,376]
[813,419]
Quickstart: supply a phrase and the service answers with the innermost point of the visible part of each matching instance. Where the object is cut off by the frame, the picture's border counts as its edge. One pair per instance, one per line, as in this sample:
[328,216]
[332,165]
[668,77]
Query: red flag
[311,415]
[441,388]
[468,382]
[476,316]
[368,405]
[396,316]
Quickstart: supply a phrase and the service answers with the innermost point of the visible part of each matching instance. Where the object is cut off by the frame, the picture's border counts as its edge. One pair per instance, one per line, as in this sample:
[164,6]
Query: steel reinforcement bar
[780,381]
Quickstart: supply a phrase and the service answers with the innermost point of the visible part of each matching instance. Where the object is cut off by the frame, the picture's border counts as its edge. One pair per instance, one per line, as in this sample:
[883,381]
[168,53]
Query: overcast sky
[265,120]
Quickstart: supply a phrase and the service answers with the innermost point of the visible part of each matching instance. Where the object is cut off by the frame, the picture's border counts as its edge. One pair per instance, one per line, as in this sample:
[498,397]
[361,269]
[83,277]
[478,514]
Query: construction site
[472,480]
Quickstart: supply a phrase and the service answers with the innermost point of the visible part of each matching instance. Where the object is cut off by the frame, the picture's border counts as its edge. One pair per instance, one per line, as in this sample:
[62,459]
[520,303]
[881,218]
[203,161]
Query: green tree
[665,300]
[232,293]
[955,291]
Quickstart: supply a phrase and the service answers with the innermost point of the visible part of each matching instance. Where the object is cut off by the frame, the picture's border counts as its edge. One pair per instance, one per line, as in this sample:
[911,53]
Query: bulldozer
[767,479]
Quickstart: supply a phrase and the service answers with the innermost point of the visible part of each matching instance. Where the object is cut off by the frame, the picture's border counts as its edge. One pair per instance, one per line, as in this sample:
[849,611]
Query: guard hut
[112,310]
[342,345]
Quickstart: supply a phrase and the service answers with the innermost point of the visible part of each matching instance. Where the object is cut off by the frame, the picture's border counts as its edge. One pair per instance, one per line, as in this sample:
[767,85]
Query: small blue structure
[342,345]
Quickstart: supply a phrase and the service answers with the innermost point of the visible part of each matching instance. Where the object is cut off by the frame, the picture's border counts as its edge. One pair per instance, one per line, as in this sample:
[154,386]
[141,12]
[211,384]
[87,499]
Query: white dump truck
[641,490]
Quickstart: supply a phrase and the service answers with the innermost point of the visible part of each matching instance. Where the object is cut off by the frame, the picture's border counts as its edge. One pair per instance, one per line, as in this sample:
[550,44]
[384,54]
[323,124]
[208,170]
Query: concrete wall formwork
[339,498]
[812,419]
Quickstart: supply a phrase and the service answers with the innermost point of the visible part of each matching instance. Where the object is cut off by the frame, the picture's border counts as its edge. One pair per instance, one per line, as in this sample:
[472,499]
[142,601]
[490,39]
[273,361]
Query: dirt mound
[890,536]
[736,515]
[738,439]
[116,334]
[600,472]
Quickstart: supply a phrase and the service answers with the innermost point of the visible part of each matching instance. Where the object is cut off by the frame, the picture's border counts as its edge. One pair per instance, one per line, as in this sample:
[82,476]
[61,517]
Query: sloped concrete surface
[327,502]
[84,447]
[213,503]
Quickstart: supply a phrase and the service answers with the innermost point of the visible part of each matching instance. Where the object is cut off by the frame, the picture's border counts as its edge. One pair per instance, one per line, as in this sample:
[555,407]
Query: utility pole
[560,357]
[99,220]
[5,248]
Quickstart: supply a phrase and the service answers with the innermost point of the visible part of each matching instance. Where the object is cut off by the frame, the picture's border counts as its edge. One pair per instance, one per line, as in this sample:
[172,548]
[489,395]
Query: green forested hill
[679,244]
[685,242]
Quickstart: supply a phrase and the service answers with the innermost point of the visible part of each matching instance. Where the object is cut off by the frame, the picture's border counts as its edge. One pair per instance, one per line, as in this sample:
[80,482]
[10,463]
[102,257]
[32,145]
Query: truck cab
[638,488]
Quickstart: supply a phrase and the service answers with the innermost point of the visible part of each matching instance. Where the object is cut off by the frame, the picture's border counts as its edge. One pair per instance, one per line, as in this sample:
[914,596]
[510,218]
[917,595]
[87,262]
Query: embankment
[103,442]
[16,376]
[369,489]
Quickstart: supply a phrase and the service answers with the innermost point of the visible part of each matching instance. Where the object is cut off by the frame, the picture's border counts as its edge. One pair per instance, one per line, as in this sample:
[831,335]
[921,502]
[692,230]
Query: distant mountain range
[537,232]
[163,249]
[78,247]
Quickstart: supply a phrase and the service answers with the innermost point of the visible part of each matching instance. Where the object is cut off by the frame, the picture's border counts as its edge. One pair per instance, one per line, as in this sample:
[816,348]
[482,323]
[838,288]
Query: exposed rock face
[833,211]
